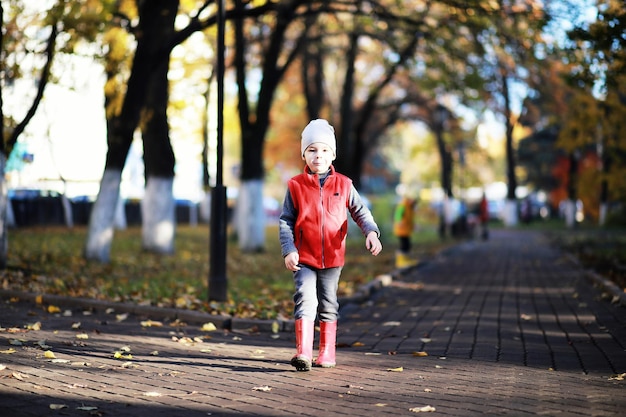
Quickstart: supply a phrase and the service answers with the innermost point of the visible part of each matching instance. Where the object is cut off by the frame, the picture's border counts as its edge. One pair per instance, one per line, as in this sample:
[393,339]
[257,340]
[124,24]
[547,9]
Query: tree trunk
[4,203]
[510,209]
[122,127]
[158,207]
[250,214]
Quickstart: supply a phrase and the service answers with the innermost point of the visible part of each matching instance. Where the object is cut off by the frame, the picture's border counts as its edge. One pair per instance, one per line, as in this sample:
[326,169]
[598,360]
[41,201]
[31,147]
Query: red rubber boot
[328,339]
[304,345]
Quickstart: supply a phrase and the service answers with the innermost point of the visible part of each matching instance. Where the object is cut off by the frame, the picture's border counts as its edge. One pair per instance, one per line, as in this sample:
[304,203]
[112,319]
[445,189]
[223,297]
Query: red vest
[322,221]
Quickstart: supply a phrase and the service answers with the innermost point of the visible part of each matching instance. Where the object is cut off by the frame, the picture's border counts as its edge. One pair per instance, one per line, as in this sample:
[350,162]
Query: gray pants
[316,293]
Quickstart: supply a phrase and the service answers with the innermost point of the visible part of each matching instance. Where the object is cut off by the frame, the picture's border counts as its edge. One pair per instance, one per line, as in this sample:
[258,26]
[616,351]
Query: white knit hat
[318,131]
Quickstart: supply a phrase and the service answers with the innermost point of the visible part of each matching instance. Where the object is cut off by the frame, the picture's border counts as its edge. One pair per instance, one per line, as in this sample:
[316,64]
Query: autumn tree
[77,21]
[600,66]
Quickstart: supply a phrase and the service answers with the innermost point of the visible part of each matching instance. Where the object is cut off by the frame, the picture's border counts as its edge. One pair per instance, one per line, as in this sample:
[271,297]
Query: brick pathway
[509,326]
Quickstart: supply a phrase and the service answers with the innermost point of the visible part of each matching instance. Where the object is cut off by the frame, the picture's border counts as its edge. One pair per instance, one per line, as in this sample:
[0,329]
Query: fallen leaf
[86,408]
[82,336]
[358,344]
[399,369]
[526,317]
[425,340]
[53,309]
[57,406]
[380,404]
[120,355]
[420,354]
[48,354]
[208,327]
[8,351]
[2,367]
[76,325]
[39,299]
[151,323]
[264,389]
[617,377]
[152,394]
[154,353]
[121,317]
[424,409]
[17,375]
[60,361]
[34,326]
[391,323]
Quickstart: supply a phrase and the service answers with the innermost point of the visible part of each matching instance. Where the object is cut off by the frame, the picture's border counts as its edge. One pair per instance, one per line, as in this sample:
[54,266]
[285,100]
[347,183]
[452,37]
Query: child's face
[318,157]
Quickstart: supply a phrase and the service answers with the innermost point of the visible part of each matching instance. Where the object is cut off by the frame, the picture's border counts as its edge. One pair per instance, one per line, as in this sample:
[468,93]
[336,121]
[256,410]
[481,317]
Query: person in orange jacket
[403,226]
[312,229]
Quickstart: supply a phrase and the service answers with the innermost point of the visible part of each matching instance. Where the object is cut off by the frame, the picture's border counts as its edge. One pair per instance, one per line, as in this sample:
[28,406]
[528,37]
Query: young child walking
[313,226]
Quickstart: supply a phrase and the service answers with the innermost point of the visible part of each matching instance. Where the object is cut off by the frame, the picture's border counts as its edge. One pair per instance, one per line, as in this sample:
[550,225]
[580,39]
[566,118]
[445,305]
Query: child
[313,227]
[403,229]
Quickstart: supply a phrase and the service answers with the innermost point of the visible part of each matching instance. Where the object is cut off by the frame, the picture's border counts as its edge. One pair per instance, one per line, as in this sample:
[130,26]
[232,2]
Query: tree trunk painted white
[570,213]
[120,222]
[101,220]
[67,211]
[4,203]
[509,214]
[158,216]
[250,216]
[205,207]
[602,214]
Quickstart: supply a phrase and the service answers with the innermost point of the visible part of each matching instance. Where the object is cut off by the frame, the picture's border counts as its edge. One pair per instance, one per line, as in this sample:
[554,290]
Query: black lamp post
[217,267]
[440,117]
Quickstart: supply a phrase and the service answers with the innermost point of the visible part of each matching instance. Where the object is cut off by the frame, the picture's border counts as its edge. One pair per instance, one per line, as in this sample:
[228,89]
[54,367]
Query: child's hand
[373,244]
[291,261]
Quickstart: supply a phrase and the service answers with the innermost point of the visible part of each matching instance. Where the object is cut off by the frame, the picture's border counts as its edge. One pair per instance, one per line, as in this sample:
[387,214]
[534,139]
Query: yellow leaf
[358,344]
[8,351]
[82,336]
[53,309]
[420,354]
[150,323]
[39,299]
[400,369]
[34,326]
[48,354]
[121,317]
[208,327]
